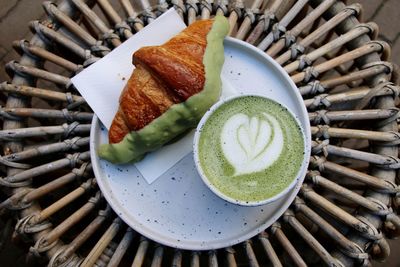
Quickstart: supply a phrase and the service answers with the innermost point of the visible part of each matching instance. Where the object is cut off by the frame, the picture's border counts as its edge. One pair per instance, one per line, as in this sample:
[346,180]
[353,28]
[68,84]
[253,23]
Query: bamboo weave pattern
[345,210]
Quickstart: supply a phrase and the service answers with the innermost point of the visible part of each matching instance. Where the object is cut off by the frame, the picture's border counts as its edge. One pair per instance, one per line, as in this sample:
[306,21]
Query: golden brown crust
[164,75]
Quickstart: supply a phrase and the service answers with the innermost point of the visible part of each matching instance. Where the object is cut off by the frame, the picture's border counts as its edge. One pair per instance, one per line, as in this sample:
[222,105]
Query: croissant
[168,92]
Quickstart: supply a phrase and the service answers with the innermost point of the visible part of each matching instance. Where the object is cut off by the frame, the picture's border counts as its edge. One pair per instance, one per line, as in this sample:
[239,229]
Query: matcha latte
[249,149]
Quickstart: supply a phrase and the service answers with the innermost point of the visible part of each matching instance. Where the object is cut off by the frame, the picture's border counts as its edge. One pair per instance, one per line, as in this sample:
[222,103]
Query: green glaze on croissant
[180,87]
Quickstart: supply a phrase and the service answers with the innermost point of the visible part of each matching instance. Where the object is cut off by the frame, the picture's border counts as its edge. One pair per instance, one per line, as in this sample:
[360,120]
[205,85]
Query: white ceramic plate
[178,210]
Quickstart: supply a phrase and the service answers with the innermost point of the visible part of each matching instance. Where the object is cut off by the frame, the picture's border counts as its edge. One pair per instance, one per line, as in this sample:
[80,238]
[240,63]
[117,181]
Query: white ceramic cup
[300,174]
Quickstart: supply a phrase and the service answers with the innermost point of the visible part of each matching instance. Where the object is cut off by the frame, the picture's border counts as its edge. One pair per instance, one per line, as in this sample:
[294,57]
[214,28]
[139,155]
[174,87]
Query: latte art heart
[251,144]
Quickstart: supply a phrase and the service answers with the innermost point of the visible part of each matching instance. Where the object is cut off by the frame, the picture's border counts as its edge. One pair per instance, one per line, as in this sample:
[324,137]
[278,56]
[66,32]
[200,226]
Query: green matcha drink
[250,148]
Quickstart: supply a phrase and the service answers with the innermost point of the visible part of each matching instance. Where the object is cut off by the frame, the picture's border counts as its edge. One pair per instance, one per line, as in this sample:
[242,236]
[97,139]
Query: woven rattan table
[344,211]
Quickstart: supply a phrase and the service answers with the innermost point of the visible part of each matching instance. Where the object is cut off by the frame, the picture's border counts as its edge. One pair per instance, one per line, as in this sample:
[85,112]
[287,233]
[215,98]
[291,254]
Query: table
[344,211]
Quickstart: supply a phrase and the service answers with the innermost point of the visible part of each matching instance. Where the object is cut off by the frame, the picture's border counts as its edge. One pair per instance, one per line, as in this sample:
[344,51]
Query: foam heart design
[251,144]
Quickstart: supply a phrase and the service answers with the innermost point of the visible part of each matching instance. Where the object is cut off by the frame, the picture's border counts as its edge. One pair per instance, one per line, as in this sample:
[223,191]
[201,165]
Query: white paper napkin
[102,82]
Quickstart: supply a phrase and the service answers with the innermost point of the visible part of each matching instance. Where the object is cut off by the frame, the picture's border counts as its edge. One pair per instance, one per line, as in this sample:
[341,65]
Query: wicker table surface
[345,210]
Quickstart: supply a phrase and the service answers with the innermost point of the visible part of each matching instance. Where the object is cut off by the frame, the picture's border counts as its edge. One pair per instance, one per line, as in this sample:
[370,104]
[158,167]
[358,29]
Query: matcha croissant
[169,91]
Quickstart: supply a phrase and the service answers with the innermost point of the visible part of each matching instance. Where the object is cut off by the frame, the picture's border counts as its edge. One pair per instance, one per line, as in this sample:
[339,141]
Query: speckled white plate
[178,210]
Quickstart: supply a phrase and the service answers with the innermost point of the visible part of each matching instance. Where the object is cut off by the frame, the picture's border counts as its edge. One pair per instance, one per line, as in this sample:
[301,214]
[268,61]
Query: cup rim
[300,174]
